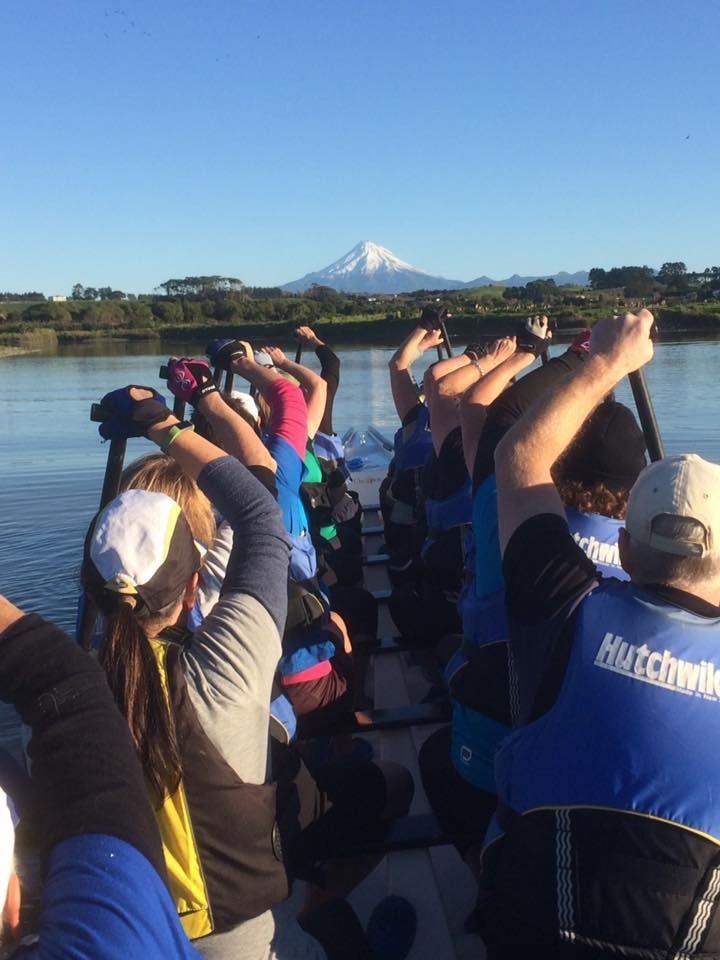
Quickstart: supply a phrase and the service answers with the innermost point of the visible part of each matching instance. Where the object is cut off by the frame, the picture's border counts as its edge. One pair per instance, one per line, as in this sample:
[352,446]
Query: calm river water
[53,459]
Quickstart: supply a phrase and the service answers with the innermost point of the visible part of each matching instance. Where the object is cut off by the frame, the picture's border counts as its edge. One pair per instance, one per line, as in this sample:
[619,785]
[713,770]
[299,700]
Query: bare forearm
[489,387]
[445,370]
[236,436]
[408,351]
[457,381]
[259,376]
[475,402]
[404,391]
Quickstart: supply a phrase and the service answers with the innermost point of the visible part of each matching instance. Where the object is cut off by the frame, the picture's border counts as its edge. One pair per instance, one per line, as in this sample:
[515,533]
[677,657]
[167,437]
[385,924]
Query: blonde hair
[161,474]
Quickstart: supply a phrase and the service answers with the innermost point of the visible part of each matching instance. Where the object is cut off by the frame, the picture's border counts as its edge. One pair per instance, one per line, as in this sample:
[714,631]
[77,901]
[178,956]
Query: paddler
[607,834]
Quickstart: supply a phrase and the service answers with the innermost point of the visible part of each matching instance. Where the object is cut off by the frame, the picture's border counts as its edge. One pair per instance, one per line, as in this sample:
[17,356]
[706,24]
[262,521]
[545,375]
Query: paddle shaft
[445,342]
[446,338]
[646,415]
[113,471]
[87,612]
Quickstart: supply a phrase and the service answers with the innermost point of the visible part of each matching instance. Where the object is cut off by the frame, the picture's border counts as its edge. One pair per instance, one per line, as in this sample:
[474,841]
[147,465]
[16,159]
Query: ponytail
[134,678]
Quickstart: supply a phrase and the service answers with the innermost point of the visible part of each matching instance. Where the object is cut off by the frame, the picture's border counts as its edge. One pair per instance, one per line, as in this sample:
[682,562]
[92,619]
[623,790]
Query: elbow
[433,378]
[445,390]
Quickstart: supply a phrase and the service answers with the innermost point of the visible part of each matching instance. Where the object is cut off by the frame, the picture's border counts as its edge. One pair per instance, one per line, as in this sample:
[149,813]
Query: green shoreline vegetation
[196,308]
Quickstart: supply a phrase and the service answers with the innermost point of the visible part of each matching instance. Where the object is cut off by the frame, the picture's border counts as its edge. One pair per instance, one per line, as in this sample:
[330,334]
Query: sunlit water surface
[53,459]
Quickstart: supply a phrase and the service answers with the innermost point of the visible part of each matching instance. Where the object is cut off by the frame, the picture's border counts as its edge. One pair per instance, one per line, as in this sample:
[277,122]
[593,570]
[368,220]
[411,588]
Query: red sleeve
[288,414]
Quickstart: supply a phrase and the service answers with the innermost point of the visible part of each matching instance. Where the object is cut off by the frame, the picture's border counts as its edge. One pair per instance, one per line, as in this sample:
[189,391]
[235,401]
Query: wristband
[480,370]
[174,432]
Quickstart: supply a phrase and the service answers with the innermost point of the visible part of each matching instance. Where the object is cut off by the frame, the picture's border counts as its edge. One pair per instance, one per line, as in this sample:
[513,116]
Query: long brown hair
[134,678]
[162,474]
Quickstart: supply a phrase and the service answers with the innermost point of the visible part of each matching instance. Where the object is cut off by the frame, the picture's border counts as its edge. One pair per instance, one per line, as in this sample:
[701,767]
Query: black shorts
[319,815]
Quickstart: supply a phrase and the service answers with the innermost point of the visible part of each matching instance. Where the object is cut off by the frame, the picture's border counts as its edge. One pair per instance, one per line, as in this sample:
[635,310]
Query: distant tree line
[79,292]
[206,301]
[30,295]
[535,291]
[673,278]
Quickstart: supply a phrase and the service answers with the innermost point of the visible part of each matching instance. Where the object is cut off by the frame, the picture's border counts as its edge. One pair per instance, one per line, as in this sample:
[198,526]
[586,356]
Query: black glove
[475,351]
[432,317]
[127,417]
[223,352]
[190,379]
[533,335]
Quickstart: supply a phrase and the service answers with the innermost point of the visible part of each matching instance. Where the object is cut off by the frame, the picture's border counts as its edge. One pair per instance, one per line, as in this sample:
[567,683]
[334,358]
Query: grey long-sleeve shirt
[231,660]
[229,668]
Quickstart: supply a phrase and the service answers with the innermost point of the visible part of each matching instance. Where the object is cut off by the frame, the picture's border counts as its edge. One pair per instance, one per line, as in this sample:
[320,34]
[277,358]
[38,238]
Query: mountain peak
[371,268]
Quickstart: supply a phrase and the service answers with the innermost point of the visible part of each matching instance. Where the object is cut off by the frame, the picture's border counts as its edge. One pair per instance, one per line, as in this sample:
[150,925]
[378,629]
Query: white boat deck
[437,882]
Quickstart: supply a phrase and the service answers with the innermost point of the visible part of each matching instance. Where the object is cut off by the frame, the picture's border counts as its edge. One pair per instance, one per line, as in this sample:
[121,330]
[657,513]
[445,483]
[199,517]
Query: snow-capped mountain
[370,268]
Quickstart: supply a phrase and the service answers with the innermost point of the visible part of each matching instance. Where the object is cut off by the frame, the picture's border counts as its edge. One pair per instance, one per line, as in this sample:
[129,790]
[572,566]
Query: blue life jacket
[303,649]
[413,443]
[597,537]
[303,559]
[484,620]
[283,715]
[487,570]
[452,511]
[475,736]
[328,446]
[639,700]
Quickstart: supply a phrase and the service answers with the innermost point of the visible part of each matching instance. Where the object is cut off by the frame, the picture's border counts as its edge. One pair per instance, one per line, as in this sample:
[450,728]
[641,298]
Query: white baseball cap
[684,487]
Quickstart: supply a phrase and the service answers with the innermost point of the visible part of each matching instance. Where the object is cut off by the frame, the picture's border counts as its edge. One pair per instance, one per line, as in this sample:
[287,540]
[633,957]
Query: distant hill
[562,279]
[370,268]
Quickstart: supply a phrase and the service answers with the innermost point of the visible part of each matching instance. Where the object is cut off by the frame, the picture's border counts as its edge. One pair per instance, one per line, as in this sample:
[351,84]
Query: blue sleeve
[258,562]
[103,899]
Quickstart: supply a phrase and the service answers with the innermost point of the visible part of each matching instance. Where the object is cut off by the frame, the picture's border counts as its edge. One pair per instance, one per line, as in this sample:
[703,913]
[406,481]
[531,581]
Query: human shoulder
[545,571]
[103,898]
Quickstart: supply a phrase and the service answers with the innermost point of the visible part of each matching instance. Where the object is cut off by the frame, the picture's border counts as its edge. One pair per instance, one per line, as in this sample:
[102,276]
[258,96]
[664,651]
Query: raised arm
[530,339]
[191,380]
[442,369]
[313,387]
[329,371]
[475,401]
[235,434]
[526,454]
[288,411]
[443,401]
[403,386]
[62,693]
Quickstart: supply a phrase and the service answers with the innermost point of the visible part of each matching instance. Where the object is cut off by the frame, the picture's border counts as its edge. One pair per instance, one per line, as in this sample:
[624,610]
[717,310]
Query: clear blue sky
[263,138]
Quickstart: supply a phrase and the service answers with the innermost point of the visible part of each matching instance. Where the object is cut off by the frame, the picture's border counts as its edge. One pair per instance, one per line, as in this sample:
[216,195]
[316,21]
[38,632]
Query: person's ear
[188,600]
[11,910]
[625,551]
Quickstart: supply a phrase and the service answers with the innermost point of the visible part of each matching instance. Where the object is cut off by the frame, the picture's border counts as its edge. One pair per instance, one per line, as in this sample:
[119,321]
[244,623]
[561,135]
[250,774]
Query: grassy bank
[691,321]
